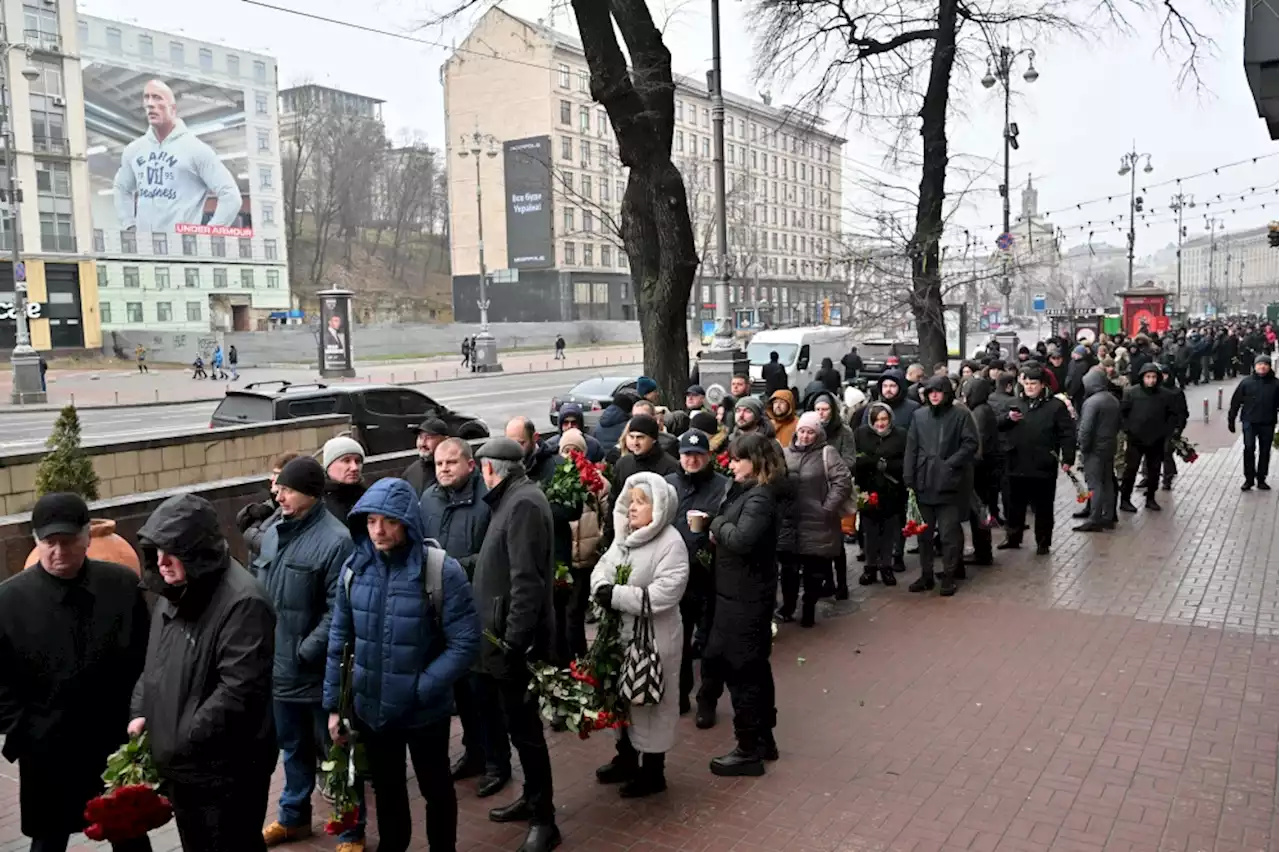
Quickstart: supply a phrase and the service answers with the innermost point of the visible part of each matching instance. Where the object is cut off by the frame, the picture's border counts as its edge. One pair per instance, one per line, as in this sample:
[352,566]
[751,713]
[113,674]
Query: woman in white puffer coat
[646,540]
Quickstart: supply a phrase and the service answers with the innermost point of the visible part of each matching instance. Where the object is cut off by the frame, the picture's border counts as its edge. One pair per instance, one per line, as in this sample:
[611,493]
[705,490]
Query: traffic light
[1273,234]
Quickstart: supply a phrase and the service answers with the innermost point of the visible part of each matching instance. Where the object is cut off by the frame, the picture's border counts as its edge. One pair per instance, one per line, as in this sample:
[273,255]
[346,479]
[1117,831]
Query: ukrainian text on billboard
[527,173]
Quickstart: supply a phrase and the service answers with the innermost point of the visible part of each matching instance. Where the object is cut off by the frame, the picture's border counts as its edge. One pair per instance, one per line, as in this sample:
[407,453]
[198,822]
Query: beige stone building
[513,79]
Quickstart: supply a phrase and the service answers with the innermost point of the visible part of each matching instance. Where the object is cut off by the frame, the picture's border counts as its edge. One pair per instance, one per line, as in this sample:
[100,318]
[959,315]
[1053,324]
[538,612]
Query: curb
[9,410]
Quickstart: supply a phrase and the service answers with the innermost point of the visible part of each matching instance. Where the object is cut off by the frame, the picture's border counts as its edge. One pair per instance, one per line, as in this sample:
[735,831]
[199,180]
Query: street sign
[1005,241]
[1038,303]
[20,272]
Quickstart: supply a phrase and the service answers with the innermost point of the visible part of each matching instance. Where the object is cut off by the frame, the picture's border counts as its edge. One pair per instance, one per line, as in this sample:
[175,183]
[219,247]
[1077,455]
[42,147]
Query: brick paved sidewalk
[1119,695]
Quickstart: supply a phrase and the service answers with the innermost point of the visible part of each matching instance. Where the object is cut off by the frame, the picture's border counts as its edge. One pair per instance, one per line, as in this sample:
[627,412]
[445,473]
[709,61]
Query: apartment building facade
[183,167]
[527,86]
[1229,272]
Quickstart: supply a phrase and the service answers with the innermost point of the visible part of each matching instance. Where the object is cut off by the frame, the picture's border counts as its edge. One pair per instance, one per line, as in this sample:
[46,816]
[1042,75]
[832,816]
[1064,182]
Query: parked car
[876,352]
[382,416]
[594,395]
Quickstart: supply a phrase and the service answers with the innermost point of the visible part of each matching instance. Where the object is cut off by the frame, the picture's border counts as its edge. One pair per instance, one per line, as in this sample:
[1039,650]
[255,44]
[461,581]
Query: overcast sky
[1090,104]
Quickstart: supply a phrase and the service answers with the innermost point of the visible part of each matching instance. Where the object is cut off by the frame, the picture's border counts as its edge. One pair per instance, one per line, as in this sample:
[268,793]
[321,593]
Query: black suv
[383,416]
[875,353]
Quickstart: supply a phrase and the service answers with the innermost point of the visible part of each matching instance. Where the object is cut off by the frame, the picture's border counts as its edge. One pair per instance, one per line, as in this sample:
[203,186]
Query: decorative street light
[1129,166]
[999,67]
[484,355]
[25,361]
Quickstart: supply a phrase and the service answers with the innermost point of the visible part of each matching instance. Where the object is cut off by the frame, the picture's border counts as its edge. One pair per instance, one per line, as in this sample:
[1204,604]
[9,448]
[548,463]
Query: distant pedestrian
[216,363]
[140,355]
[466,352]
[474,353]
[233,361]
[559,347]
[44,368]
[197,368]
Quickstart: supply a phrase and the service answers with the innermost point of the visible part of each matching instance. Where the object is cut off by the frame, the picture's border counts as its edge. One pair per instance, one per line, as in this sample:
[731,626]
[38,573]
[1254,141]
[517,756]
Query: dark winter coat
[299,566]
[254,520]
[1074,387]
[902,405]
[540,465]
[613,420]
[704,491]
[942,446]
[206,688]
[828,376]
[820,484]
[1255,400]
[977,394]
[457,518]
[775,377]
[405,657]
[653,461]
[746,576]
[839,434]
[70,652]
[340,497]
[1042,440]
[852,363]
[515,573]
[1148,413]
[421,474]
[1099,425]
[873,448]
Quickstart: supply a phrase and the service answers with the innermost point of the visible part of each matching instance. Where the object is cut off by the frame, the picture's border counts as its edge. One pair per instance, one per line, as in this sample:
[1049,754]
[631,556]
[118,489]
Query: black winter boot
[624,767]
[868,577]
[650,779]
[887,577]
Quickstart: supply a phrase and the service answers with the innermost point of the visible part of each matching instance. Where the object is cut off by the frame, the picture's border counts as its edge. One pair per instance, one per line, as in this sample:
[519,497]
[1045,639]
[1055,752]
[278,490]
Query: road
[494,398]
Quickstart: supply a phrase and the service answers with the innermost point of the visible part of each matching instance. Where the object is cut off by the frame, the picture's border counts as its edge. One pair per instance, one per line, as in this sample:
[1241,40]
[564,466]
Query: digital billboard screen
[166,154]
[527,172]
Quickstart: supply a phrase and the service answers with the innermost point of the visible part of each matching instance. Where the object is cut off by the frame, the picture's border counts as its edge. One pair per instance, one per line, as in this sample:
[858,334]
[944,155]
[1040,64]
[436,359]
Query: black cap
[695,390]
[304,475]
[644,424]
[705,421]
[433,426]
[500,449]
[60,513]
[695,441]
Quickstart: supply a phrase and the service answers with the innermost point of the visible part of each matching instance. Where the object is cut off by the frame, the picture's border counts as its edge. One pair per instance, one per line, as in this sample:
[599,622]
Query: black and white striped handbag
[641,681]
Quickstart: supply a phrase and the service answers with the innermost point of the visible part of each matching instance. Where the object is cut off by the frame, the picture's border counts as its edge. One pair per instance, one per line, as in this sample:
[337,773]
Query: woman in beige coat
[646,540]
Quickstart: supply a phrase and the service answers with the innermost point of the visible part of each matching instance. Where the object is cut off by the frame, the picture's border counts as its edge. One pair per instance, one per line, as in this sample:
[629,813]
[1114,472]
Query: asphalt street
[494,398]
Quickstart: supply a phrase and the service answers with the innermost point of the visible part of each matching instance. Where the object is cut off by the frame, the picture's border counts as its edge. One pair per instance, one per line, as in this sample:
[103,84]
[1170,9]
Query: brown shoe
[351,846]
[275,834]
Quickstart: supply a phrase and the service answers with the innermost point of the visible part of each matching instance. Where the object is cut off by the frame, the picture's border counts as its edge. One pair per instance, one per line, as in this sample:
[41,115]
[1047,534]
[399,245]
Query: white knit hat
[336,448]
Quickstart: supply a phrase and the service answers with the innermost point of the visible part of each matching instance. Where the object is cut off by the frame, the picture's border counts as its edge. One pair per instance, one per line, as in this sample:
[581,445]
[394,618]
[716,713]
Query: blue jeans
[302,733]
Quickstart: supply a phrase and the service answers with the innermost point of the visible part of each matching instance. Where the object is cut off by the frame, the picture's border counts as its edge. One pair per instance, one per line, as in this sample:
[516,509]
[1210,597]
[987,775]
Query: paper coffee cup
[697,520]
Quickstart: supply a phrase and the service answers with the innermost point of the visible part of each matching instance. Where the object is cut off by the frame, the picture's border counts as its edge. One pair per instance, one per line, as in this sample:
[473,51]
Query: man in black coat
[942,446]
[852,363]
[774,375]
[1096,435]
[343,460]
[421,472]
[987,471]
[73,637]
[1148,414]
[700,489]
[644,453]
[1042,438]
[1081,361]
[1256,400]
[513,583]
[539,459]
[204,697]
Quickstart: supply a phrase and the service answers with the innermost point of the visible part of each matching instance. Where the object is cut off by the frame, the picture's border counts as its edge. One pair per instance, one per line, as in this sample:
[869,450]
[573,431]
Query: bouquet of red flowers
[1185,449]
[575,480]
[720,463]
[915,521]
[1083,494]
[130,807]
[344,763]
[868,500]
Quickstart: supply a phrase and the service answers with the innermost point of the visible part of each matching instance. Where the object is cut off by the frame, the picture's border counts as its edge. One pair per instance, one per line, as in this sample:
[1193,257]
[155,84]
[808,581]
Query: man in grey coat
[300,565]
[1097,432]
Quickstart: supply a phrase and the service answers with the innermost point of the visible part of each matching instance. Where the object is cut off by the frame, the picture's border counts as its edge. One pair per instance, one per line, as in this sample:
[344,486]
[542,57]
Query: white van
[801,351]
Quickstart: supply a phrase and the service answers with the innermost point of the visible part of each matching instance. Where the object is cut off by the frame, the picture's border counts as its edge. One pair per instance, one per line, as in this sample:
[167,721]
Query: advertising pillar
[335,334]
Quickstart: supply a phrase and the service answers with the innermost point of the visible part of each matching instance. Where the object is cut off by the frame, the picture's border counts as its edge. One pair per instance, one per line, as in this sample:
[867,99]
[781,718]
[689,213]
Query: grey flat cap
[500,449]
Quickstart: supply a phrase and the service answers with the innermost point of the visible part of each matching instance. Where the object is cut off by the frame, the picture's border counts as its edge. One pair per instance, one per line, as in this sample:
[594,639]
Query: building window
[568,220]
[146,47]
[566,148]
[584,153]
[162,277]
[246,248]
[269,249]
[164,311]
[602,122]
[218,246]
[177,53]
[600,293]
[568,181]
[268,214]
[606,256]
[115,41]
[706,146]
[264,140]
[57,232]
[104,312]
[586,186]
[246,279]
[260,103]
[193,312]
[588,221]
[259,71]
[584,81]
[588,254]
[622,260]
[220,278]
[128,242]
[233,65]
[570,254]
[206,59]
[189,245]
[584,120]
[679,110]
[191,277]
[680,141]
[133,312]
[706,117]
[564,76]
[604,191]
[581,293]
[102,275]
[566,112]
[264,177]
[273,279]
[159,243]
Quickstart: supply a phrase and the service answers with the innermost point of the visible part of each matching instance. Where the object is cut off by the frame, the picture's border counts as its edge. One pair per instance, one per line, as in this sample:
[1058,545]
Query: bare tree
[891,62]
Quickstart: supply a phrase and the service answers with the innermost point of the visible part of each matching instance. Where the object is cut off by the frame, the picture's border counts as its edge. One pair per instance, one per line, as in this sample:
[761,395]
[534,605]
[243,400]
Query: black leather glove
[1231,426]
[604,596]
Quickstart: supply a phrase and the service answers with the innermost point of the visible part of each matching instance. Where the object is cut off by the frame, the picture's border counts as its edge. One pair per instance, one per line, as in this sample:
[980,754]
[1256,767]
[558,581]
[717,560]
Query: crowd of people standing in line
[733,518]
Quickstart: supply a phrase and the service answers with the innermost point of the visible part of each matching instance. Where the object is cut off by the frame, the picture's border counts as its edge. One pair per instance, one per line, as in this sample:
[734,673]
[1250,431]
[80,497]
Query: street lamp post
[1129,166]
[28,387]
[1211,224]
[484,354]
[999,68]
[1178,204]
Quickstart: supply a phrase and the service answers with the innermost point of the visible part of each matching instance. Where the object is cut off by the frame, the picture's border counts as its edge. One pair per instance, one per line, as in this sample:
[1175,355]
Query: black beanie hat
[645,425]
[705,421]
[304,475]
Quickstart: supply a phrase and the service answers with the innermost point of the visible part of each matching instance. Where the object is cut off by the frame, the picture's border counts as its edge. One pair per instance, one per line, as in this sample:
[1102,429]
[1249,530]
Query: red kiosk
[1145,309]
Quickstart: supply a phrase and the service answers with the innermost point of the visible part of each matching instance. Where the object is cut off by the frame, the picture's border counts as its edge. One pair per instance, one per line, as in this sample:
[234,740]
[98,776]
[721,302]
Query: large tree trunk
[656,230]
[926,278]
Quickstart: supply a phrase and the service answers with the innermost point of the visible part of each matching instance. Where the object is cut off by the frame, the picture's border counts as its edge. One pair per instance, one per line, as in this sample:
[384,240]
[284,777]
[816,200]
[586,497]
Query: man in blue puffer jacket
[406,658]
